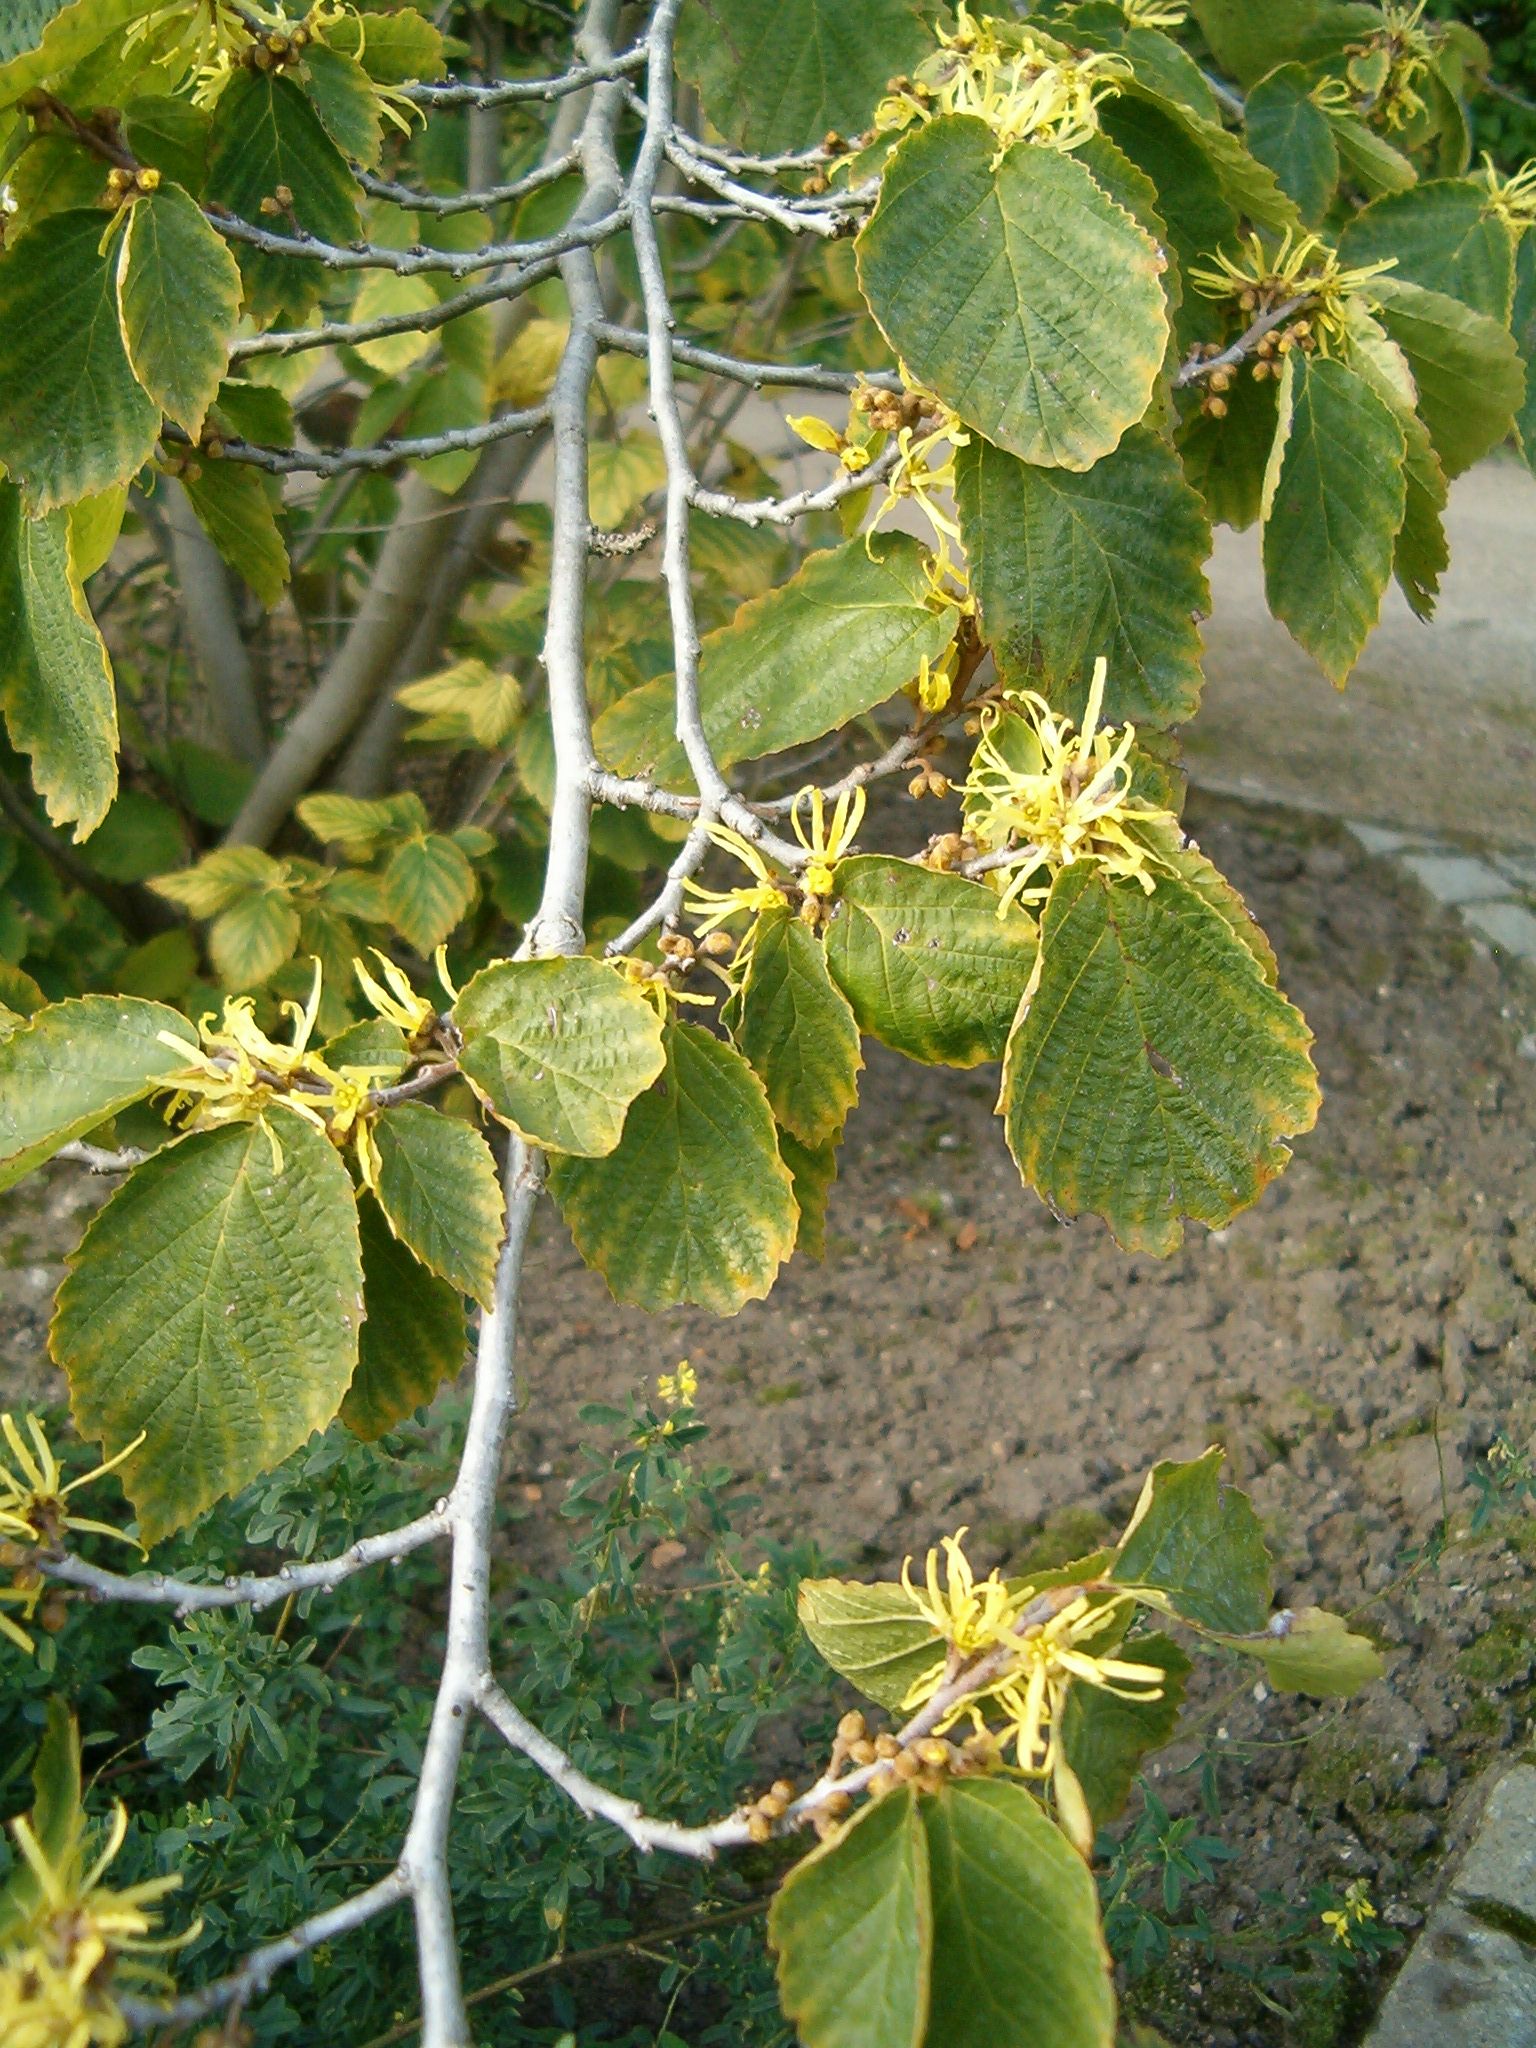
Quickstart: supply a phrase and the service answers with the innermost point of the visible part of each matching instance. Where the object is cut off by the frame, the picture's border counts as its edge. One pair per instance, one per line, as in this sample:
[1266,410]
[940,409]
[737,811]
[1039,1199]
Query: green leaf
[1466,366]
[1248,40]
[57,1821]
[1442,235]
[1018,1956]
[439,1191]
[178,297]
[1335,498]
[559,1049]
[221,878]
[797,1029]
[1198,1544]
[266,134]
[256,935]
[1225,459]
[848,630]
[138,836]
[1190,194]
[1155,1071]
[852,1925]
[927,964]
[1422,553]
[86,422]
[695,1205]
[412,1337]
[1068,566]
[94,526]
[397,48]
[428,886]
[621,475]
[776,75]
[1024,296]
[1290,133]
[1311,1651]
[1106,1735]
[75,1064]
[342,94]
[1249,187]
[359,825]
[42,39]
[813,1169]
[56,686]
[235,510]
[1524,324]
[870,1635]
[170,135]
[214,1304]
[1368,159]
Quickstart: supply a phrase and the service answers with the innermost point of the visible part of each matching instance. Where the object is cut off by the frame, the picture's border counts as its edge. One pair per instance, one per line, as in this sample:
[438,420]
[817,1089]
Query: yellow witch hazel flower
[1301,267]
[238,1073]
[1512,199]
[715,907]
[1043,1658]
[825,844]
[1164,14]
[1057,795]
[1025,89]
[56,1981]
[34,1514]
[1387,69]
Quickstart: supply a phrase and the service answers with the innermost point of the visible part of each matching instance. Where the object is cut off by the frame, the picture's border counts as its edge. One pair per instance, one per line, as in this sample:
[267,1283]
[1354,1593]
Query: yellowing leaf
[694,1204]
[428,886]
[178,297]
[440,1194]
[470,704]
[382,295]
[56,686]
[621,475]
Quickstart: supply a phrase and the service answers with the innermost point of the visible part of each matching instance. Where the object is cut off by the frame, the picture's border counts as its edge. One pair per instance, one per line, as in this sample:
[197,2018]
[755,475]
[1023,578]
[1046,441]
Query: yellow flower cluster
[1023,88]
[34,1515]
[1053,795]
[1356,1910]
[58,1968]
[678,1389]
[826,841]
[1302,267]
[1041,1645]
[237,1073]
[1512,199]
[1387,69]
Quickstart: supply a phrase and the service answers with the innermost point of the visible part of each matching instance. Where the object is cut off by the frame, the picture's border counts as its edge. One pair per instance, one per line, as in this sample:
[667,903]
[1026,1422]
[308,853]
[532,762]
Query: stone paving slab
[1470,1979]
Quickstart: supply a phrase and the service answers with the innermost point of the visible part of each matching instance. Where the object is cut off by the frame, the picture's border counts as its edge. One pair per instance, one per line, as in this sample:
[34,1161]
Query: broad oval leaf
[775,75]
[1068,566]
[848,630]
[1018,1955]
[1197,1543]
[695,1204]
[266,134]
[1467,367]
[214,1304]
[43,39]
[870,1635]
[1287,130]
[1312,1651]
[178,296]
[796,1028]
[1155,1071]
[439,1191]
[1441,234]
[73,1065]
[76,418]
[929,967]
[1335,497]
[234,509]
[853,1927]
[1022,294]
[412,1337]
[56,685]
[559,1049]
[428,886]
[1106,1734]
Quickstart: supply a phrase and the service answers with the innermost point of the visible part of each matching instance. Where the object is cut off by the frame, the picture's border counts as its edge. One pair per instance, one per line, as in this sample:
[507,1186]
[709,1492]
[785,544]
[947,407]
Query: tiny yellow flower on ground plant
[34,1513]
[678,1389]
[1355,1911]
[1057,795]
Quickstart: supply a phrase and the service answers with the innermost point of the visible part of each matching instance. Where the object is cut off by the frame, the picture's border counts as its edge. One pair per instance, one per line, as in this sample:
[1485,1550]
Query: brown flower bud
[886,1745]
[852,1727]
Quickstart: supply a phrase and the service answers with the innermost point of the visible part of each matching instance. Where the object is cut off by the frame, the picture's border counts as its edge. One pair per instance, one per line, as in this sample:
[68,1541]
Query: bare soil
[1356,1343]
